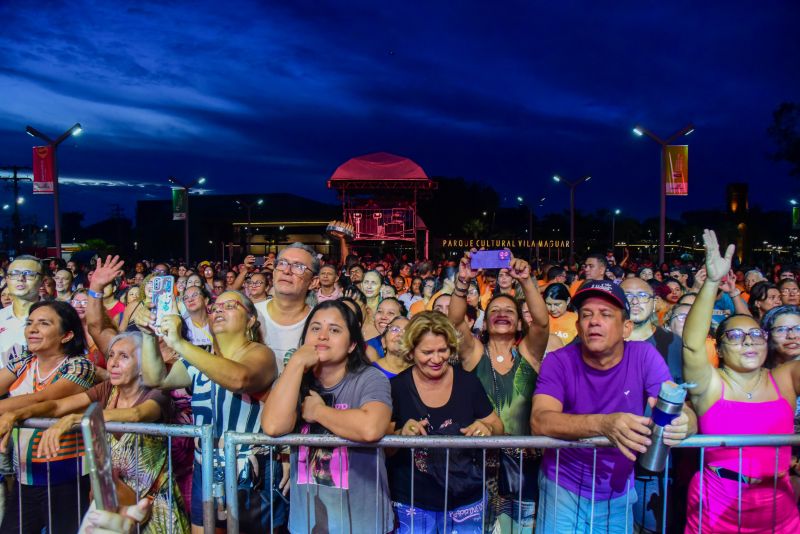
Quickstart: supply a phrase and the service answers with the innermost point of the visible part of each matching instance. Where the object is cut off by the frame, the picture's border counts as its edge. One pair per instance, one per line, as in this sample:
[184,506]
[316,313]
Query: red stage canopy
[378,166]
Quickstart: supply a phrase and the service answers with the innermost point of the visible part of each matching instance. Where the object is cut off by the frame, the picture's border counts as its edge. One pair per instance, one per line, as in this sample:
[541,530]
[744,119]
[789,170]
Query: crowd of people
[294,343]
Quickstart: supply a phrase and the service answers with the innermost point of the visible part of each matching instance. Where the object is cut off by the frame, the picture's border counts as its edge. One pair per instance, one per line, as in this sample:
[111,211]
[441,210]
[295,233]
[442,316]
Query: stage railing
[202,433]
[233,440]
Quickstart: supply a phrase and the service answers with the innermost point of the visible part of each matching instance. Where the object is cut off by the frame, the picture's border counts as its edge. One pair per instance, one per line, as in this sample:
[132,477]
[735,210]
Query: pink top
[739,417]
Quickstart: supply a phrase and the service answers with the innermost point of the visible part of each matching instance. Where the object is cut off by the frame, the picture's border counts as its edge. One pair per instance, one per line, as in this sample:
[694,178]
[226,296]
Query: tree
[785,131]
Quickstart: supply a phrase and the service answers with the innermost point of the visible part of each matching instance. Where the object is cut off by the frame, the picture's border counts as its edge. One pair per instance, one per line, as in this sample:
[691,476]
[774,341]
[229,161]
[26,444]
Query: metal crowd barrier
[234,439]
[201,432]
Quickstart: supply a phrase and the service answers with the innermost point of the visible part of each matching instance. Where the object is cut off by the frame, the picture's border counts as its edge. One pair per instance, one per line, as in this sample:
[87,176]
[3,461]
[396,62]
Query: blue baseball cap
[605,289]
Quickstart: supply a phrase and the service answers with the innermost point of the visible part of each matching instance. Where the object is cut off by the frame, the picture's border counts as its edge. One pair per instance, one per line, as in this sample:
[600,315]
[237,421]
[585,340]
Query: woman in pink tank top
[741,397]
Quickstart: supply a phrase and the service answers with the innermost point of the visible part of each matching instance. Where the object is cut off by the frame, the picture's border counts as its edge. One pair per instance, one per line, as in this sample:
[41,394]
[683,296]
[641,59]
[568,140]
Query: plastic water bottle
[668,407]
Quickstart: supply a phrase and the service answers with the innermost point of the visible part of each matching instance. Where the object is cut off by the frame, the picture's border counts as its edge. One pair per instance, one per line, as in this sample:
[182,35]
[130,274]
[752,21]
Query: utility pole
[15,180]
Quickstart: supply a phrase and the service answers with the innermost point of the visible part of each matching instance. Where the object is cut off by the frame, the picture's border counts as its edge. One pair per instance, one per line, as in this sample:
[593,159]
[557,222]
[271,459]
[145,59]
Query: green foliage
[98,245]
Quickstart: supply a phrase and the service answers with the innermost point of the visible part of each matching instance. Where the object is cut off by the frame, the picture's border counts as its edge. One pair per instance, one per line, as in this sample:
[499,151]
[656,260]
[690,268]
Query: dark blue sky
[273,96]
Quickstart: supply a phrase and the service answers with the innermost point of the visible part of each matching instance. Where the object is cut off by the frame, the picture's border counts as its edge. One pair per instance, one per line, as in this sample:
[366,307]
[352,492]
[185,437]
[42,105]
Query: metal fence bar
[231,478]
[483,485]
[555,498]
[775,491]
[49,502]
[496,442]
[446,483]
[594,475]
[739,491]
[412,489]
[201,432]
[666,491]
[170,481]
[702,473]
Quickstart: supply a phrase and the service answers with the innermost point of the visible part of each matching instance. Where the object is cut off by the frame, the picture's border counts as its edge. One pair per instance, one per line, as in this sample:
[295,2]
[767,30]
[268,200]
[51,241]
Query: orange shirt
[564,326]
[711,351]
[575,286]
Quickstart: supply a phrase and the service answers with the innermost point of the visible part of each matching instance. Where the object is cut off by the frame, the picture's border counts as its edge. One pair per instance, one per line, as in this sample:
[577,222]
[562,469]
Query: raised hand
[519,269]
[465,270]
[717,266]
[106,272]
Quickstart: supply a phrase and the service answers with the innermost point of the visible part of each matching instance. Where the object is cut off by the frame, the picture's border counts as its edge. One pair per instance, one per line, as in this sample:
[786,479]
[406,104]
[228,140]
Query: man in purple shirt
[598,387]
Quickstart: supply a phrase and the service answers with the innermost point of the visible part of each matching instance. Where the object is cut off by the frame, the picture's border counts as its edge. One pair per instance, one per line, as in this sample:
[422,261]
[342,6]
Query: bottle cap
[672,392]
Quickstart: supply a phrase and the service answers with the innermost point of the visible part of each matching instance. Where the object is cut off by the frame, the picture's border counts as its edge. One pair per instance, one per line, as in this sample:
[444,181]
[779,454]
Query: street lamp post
[640,131]
[613,222]
[521,202]
[572,186]
[187,189]
[248,206]
[53,143]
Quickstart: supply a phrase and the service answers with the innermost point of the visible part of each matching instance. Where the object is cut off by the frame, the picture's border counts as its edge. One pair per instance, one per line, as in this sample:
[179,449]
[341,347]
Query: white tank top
[283,340]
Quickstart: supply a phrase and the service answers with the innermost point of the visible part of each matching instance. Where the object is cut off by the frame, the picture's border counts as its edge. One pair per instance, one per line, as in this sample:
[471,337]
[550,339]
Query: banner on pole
[676,169]
[43,170]
[179,204]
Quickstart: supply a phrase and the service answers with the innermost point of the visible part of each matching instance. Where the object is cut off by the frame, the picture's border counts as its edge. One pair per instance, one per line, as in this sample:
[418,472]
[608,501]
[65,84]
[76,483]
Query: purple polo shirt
[585,390]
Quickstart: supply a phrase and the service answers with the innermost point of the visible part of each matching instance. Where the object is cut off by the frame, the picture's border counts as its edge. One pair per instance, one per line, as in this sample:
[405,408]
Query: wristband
[733,296]
[94,294]
[462,293]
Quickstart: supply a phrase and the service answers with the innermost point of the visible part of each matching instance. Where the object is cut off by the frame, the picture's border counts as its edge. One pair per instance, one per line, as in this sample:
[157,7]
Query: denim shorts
[570,512]
[466,519]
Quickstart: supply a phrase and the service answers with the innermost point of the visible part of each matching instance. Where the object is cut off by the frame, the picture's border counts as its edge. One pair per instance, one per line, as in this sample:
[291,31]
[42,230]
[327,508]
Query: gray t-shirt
[334,490]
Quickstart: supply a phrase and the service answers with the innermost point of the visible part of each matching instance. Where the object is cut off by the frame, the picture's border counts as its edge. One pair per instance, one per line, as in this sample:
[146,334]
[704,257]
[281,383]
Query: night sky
[273,96]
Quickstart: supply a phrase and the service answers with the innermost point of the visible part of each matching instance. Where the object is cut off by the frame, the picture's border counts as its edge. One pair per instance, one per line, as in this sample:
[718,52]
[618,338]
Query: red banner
[676,169]
[43,170]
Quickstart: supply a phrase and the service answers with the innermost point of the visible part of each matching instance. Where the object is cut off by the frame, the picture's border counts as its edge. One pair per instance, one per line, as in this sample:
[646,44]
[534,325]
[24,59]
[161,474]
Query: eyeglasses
[297,268]
[19,275]
[160,271]
[787,291]
[735,336]
[187,296]
[396,330]
[783,331]
[640,296]
[228,305]
[79,303]
[256,284]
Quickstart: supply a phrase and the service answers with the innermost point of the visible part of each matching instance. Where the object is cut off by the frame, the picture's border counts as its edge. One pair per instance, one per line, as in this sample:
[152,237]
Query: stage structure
[379,194]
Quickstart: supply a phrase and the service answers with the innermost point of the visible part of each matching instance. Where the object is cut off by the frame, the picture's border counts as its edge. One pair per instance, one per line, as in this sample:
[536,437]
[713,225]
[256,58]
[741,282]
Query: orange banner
[676,169]
[43,170]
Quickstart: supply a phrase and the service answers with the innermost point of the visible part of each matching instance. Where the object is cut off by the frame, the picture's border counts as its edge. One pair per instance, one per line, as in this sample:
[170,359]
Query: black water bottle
[668,407]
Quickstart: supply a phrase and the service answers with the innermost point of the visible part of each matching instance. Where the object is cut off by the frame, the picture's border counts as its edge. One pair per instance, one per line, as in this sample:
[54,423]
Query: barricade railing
[233,440]
[200,432]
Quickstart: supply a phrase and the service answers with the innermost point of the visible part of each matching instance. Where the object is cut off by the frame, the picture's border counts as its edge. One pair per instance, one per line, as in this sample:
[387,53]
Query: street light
[613,222]
[640,131]
[76,129]
[572,186]
[187,188]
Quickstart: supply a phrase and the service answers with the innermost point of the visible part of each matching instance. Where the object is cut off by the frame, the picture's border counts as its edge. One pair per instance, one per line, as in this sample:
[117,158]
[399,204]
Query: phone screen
[163,298]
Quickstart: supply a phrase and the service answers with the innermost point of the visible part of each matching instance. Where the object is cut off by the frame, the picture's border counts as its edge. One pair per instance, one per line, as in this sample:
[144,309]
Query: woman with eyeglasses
[227,388]
[741,397]
[394,359]
[783,326]
[790,292]
[387,310]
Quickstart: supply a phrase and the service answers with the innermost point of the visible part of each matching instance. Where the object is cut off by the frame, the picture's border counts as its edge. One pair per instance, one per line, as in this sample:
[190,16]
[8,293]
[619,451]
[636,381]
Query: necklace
[51,373]
[748,394]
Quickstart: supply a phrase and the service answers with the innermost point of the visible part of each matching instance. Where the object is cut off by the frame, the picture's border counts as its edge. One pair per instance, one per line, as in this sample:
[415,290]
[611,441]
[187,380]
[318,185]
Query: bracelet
[738,292]
[94,294]
[461,293]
